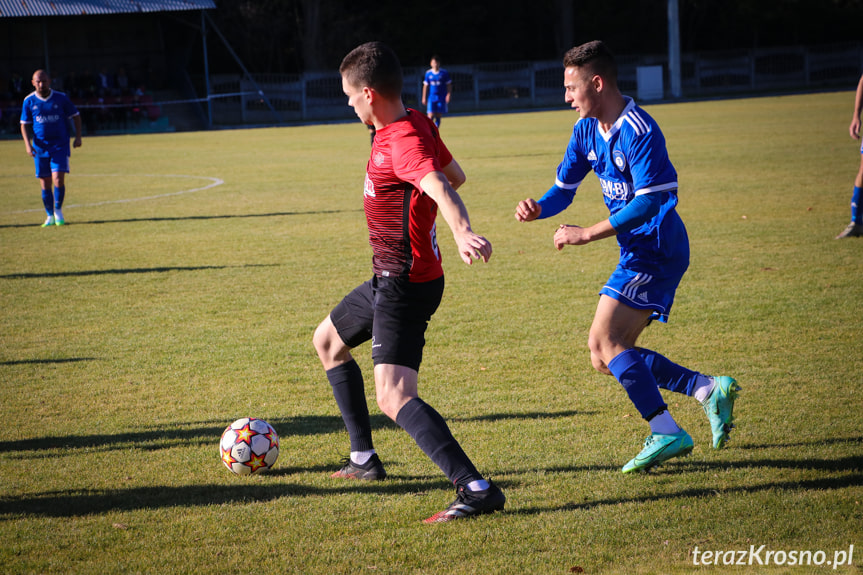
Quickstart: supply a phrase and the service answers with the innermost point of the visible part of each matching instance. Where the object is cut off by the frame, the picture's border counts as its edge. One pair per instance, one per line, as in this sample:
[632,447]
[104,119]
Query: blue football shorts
[641,290]
[391,312]
[50,162]
[436,107]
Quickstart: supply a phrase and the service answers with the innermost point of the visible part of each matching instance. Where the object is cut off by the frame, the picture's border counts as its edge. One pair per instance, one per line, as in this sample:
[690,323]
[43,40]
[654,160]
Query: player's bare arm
[527,210]
[578,236]
[854,128]
[76,120]
[25,133]
[454,174]
[454,212]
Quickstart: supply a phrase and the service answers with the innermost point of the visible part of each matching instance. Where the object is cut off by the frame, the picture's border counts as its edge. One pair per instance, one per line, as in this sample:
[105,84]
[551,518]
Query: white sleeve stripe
[638,124]
[659,188]
[563,186]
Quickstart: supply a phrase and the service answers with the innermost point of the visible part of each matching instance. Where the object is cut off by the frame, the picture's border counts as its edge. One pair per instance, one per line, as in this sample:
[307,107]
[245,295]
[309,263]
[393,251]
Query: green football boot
[719,407]
[659,448]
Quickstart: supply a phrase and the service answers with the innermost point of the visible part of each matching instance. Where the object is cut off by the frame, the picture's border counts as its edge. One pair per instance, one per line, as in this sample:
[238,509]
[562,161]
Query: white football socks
[362,457]
[703,387]
[664,424]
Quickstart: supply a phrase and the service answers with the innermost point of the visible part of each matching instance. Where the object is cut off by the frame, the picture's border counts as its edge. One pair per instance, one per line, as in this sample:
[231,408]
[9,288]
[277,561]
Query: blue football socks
[668,374]
[856,214]
[630,369]
[48,201]
[59,196]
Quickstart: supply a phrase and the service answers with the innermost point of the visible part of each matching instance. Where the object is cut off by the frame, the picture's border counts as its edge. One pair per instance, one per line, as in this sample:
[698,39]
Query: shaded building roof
[23,8]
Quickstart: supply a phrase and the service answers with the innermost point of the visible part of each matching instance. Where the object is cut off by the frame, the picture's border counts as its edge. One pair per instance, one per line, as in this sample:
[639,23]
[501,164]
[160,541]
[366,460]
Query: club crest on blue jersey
[619,160]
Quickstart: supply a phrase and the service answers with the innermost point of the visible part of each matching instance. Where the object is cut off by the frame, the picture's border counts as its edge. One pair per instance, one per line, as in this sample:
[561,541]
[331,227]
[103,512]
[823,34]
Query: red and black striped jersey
[401,218]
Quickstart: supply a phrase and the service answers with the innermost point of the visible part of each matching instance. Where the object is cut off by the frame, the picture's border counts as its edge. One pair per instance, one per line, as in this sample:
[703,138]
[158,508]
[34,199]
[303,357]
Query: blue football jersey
[50,120]
[629,160]
[437,83]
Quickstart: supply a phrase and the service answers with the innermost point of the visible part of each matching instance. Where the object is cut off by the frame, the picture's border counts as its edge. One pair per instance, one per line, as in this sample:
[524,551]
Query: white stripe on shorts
[632,286]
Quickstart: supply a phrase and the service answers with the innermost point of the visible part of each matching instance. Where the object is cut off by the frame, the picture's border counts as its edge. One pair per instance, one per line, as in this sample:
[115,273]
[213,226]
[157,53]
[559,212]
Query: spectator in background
[17,87]
[106,83]
[122,81]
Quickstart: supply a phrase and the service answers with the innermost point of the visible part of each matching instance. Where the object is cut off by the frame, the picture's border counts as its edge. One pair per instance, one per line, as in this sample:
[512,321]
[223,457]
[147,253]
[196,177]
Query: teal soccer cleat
[659,448]
[719,406]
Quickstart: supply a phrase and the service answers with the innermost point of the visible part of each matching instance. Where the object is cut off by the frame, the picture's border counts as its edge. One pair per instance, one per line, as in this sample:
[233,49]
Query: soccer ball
[249,445]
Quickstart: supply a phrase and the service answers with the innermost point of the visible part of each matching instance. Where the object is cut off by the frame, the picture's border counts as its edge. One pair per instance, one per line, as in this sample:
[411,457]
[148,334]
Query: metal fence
[278,98]
[267,99]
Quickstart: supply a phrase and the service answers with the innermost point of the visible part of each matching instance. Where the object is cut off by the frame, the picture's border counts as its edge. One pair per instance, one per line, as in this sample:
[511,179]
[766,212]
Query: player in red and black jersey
[411,175]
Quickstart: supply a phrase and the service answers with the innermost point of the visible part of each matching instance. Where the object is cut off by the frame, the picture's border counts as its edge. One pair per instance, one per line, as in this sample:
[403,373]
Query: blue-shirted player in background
[624,146]
[855,228]
[45,117]
[437,89]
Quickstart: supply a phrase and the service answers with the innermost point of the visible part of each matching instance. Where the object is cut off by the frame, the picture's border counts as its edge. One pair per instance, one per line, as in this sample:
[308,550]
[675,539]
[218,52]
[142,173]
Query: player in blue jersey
[437,90]
[45,117]
[624,146]
[855,228]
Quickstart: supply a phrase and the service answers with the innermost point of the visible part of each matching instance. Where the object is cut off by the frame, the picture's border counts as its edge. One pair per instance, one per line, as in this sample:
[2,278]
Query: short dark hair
[376,66]
[594,57]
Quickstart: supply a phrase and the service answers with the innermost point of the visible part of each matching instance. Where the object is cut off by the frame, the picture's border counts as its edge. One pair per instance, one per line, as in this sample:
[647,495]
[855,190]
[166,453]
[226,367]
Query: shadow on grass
[849,463]
[851,466]
[124,271]
[46,361]
[74,503]
[819,443]
[186,218]
[529,415]
[826,483]
[167,436]
[171,436]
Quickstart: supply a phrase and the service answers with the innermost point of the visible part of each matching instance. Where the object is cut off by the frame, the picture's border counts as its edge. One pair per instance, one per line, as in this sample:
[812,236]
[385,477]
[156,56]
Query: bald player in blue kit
[624,146]
[45,117]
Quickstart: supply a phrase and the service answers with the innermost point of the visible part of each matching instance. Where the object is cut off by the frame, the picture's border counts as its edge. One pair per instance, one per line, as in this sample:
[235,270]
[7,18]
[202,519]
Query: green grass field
[131,337]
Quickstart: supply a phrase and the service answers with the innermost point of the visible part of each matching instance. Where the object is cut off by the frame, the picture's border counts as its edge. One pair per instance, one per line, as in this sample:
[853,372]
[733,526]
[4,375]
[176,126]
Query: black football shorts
[391,312]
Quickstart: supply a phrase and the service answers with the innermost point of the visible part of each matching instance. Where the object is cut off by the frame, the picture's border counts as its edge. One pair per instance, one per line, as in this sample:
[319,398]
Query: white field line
[213,183]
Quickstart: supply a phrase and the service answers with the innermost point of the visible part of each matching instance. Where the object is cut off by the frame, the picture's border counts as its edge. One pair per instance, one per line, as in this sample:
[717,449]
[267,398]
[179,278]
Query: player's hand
[472,246]
[570,235]
[527,210]
[854,128]
[31,152]
[77,142]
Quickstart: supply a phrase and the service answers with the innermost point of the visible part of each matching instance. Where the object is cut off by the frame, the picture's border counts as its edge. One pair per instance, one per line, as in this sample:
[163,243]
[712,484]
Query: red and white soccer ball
[249,445]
